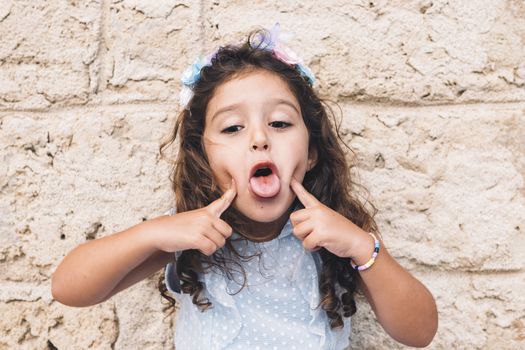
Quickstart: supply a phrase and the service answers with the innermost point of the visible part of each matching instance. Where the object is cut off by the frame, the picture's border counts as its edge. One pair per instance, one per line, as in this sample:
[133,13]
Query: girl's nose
[255,147]
[260,141]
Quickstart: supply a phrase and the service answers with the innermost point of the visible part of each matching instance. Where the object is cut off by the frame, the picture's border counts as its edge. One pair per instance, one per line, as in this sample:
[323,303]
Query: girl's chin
[263,218]
[264,211]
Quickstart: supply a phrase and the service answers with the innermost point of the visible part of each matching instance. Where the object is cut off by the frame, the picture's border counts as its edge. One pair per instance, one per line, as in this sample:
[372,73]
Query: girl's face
[255,134]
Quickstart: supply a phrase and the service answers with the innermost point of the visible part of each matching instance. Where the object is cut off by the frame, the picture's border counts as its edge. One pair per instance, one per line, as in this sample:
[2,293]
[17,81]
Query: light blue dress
[275,310]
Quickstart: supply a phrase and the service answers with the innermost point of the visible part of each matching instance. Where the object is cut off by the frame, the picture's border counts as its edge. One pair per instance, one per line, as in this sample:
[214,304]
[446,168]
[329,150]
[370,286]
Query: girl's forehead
[258,87]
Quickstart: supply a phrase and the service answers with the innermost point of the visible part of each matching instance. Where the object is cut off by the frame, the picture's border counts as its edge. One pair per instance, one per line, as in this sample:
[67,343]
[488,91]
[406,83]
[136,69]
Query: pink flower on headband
[286,54]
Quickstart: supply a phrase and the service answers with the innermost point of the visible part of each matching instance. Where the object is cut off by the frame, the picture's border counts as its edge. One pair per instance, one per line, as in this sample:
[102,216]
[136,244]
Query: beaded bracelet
[372,259]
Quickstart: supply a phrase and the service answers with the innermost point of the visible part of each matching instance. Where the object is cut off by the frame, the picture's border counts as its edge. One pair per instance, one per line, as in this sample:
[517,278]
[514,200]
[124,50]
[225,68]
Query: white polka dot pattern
[275,310]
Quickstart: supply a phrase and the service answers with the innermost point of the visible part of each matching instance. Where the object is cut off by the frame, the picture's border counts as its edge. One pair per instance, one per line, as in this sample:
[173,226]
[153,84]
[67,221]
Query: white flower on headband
[273,42]
[185,96]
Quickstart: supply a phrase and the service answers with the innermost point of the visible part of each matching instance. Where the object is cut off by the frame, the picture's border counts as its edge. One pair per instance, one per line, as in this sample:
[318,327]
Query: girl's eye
[231,129]
[280,125]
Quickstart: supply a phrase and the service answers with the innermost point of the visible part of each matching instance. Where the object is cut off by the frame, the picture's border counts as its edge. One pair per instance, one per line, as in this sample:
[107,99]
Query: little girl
[267,242]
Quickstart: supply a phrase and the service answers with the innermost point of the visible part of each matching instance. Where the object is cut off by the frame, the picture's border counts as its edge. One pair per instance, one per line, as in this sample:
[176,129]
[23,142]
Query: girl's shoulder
[171,211]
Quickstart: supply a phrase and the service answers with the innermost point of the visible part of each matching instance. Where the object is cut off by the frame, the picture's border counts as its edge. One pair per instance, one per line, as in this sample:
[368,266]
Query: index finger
[304,196]
[220,205]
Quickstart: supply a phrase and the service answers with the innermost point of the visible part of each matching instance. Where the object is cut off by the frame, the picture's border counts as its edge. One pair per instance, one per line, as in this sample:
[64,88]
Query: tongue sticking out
[265,186]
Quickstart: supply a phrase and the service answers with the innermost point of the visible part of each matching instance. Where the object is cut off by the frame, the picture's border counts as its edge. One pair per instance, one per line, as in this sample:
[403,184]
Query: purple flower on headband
[267,40]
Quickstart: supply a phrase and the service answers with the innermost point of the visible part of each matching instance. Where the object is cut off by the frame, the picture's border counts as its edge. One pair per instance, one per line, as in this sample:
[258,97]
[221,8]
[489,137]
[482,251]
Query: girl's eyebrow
[226,109]
[281,101]
[273,101]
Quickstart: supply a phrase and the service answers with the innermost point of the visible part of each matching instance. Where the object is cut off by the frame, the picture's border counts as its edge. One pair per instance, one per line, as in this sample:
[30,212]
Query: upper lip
[264,164]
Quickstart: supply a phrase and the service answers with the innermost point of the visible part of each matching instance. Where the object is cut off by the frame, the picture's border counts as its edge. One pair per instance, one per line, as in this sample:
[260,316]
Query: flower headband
[273,42]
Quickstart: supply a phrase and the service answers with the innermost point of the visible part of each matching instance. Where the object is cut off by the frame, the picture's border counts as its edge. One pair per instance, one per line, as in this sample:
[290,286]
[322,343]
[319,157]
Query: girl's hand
[319,226]
[200,229]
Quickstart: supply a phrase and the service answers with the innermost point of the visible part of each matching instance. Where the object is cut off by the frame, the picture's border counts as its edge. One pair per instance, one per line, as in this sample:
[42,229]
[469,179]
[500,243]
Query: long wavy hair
[330,180]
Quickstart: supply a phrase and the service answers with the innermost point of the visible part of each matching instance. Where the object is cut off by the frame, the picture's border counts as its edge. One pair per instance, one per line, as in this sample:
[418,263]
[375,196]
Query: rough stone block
[44,324]
[72,176]
[147,47]
[476,311]
[44,52]
[144,318]
[449,182]
[415,52]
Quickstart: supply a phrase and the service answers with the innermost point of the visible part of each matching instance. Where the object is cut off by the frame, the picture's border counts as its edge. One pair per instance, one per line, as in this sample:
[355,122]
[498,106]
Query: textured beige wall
[433,95]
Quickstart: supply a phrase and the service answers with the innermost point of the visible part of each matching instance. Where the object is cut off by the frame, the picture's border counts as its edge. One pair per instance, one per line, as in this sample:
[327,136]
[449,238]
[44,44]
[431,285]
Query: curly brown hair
[330,180]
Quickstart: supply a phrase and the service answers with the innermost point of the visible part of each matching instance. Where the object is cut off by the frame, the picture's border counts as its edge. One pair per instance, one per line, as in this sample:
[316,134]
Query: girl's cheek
[224,174]
[300,167]
[237,176]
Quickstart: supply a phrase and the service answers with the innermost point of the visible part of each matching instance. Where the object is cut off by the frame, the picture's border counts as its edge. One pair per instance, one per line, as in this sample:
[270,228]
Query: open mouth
[262,172]
[264,180]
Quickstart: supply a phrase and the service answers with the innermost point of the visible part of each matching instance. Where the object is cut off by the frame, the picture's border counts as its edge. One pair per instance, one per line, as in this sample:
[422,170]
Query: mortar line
[202,30]
[359,105]
[102,49]
[410,105]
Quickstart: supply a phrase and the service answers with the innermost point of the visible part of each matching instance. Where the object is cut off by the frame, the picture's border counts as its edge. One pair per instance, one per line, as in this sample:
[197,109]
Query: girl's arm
[403,305]
[151,265]
[94,271]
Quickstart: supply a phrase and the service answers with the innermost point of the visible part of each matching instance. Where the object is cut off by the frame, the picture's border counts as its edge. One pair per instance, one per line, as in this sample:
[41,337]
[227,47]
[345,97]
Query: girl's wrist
[160,234]
[364,248]
[150,231]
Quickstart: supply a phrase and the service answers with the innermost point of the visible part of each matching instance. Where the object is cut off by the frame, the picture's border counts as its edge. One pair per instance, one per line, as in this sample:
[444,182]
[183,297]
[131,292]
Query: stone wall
[433,98]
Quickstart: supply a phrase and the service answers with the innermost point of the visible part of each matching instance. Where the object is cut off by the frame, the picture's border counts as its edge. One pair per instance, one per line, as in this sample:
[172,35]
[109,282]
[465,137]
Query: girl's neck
[265,231]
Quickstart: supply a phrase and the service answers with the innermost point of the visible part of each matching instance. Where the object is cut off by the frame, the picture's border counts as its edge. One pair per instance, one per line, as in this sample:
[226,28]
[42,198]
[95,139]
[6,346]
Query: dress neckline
[285,232]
